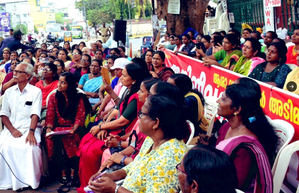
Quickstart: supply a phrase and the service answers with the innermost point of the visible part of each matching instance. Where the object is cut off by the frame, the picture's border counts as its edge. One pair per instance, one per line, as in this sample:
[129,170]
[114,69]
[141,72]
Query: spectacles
[19,72]
[75,53]
[84,60]
[179,169]
[15,63]
[140,114]
[58,65]
[47,69]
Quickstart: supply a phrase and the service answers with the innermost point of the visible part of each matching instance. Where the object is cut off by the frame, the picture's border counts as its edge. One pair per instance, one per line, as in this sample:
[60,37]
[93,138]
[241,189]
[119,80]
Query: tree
[59,17]
[192,14]
[23,28]
[35,29]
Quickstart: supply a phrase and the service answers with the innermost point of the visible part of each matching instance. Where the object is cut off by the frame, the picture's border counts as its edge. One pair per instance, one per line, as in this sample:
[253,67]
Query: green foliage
[35,29]
[59,17]
[98,11]
[23,28]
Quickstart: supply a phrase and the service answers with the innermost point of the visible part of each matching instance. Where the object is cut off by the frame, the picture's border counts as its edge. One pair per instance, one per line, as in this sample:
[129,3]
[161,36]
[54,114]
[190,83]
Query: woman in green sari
[251,57]
[228,56]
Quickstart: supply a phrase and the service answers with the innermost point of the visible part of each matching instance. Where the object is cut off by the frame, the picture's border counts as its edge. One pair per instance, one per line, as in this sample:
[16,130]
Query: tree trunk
[192,14]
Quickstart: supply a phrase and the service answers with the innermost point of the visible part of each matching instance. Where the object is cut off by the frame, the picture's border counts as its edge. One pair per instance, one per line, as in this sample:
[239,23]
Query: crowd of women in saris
[270,61]
[134,127]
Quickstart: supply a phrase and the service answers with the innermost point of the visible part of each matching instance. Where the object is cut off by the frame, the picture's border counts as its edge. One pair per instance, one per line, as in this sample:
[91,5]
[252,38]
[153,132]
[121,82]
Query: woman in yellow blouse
[154,168]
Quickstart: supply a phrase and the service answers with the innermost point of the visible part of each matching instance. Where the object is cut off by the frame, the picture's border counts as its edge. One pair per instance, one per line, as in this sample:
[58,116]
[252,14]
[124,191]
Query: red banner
[212,81]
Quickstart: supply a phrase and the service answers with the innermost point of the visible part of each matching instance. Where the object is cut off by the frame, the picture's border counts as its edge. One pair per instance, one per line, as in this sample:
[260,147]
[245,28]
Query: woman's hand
[49,130]
[107,164]
[73,131]
[106,87]
[217,48]
[116,157]
[203,139]
[154,74]
[94,130]
[112,141]
[103,185]
[207,62]
[102,135]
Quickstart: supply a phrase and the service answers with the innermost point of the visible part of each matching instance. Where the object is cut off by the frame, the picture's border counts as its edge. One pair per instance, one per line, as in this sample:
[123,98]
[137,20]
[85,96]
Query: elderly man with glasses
[20,162]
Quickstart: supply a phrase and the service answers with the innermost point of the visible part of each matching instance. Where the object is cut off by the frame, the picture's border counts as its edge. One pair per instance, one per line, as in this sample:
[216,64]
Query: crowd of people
[133,126]
[243,53]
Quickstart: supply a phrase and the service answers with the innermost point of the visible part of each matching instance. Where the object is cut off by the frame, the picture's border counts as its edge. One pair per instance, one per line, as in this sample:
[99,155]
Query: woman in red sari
[66,112]
[160,70]
[92,144]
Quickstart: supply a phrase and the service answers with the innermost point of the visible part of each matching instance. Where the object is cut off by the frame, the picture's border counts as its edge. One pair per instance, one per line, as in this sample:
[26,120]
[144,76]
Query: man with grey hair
[20,154]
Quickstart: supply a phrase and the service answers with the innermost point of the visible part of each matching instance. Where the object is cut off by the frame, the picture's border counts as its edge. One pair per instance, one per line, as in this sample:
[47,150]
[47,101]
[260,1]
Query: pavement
[52,187]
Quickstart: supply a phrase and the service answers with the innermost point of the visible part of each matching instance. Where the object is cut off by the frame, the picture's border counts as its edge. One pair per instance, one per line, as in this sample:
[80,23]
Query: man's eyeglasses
[19,72]
[179,169]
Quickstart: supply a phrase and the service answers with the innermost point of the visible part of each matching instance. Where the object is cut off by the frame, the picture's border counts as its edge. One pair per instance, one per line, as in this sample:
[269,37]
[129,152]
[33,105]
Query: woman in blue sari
[91,83]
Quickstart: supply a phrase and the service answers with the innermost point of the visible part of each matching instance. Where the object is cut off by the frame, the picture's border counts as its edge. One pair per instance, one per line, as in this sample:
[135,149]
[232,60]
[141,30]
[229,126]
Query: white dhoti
[24,160]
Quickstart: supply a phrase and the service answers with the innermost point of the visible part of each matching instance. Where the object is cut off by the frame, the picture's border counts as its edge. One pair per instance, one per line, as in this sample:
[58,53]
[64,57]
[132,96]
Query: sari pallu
[231,59]
[93,85]
[90,149]
[263,180]
[245,68]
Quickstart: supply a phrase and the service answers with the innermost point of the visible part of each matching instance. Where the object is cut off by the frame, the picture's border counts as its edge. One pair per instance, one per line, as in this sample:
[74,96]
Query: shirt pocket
[26,111]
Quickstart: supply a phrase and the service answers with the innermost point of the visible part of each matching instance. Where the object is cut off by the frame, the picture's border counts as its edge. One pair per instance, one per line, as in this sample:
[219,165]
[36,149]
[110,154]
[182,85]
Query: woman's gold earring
[235,114]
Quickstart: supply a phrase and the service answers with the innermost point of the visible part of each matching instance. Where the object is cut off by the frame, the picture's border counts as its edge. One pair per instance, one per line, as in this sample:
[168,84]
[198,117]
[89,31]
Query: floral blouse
[155,171]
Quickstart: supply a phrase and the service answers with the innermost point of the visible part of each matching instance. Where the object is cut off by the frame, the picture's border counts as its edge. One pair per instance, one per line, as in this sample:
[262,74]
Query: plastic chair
[210,110]
[285,132]
[1,125]
[192,130]
[282,166]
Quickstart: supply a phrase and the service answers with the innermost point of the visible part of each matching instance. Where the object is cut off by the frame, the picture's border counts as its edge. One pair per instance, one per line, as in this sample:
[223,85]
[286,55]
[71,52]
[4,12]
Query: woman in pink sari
[92,144]
[248,138]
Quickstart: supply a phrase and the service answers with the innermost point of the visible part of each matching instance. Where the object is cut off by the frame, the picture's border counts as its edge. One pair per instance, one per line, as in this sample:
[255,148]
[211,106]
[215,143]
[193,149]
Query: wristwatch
[119,145]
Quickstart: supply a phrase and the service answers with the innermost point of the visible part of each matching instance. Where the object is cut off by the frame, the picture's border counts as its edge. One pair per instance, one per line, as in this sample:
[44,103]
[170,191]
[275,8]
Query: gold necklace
[238,131]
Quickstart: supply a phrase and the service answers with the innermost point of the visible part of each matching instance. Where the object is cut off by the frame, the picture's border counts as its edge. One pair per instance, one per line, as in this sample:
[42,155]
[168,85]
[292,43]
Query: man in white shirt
[20,154]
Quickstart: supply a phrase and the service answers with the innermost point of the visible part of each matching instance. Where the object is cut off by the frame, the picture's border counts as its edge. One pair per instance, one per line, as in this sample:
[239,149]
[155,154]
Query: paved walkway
[50,188]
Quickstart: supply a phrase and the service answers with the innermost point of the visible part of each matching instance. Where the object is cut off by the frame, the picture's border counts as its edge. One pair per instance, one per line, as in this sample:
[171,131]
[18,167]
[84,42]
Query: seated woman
[6,57]
[63,55]
[83,68]
[76,63]
[129,151]
[274,71]
[197,174]
[92,144]
[154,169]
[248,138]
[60,66]
[188,45]
[149,59]
[66,112]
[178,42]
[160,71]
[228,56]
[98,54]
[91,83]
[48,83]
[294,49]
[193,100]
[251,57]
[8,80]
